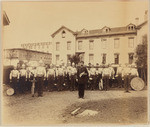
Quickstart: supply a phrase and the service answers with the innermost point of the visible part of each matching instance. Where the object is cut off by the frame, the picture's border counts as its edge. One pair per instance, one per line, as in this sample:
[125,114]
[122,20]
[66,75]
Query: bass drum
[10,91]
[137,84]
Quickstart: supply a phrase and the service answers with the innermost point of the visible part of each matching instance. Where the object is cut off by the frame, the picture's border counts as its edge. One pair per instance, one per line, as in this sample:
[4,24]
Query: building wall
[12,55]
[123,50]
[62,51]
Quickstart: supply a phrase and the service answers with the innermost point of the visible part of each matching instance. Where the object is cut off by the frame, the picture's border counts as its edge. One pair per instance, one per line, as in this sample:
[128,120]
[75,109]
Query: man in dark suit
[82,75]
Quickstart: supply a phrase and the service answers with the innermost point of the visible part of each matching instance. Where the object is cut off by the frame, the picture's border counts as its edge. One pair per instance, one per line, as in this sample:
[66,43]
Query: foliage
[141,53]
[74,59]
[141,58]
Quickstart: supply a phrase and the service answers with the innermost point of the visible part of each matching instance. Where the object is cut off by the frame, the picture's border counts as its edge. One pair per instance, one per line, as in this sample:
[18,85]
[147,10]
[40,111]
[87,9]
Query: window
[116,58]
[57,59]
[68,45]
[131,58]
[104,43]
[116,43]
[103,58]
[131,42]
[79,45]
[91,58]
[63,34]
[57,46]
[68,58]
[91,45]
[131,27]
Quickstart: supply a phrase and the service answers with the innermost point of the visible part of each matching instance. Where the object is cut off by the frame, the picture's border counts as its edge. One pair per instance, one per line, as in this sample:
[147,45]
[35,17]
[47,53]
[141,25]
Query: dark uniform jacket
[84,78]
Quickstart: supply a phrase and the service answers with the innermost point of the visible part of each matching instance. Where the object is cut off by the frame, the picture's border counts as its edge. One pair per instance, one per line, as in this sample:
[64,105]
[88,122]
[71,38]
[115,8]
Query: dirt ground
[113,107]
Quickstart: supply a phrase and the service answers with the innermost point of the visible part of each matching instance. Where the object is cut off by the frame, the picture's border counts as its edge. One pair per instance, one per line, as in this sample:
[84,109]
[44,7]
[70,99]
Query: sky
[33,22]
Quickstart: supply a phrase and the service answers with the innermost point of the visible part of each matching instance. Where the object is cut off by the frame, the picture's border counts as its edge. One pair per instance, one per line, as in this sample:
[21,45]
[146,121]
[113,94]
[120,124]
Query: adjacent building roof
[142,24]
[105,31]
[22,49]
[110,31]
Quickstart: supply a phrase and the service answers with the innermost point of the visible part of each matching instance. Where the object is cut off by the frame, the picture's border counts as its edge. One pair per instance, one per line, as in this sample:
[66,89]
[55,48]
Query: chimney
[146,15]
[136,21]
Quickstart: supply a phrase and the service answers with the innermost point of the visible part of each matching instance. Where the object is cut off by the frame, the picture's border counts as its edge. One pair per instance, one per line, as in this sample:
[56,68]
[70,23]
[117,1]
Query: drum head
[10,91]
[137,84]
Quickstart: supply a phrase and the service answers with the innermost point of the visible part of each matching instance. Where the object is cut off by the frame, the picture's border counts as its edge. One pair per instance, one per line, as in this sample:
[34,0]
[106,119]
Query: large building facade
[103,46]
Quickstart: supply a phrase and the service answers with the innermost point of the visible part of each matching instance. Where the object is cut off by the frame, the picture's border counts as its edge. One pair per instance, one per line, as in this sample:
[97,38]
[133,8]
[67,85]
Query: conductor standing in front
[82,75]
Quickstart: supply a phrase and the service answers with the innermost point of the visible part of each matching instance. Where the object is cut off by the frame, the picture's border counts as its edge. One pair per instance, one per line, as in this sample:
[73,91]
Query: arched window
[63,34]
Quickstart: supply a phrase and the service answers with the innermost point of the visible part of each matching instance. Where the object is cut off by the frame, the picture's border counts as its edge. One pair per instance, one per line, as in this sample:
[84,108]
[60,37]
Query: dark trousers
[126,83]
[119,81]
[50,82]
[14,83]
[72,82]
[40,83]
[106,82]
[81,90]
[22,84]
[93,82]
[60,81]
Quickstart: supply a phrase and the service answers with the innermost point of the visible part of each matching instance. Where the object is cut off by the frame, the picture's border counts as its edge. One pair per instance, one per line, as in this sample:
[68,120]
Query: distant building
[13,56]
[42,46]
[104,46]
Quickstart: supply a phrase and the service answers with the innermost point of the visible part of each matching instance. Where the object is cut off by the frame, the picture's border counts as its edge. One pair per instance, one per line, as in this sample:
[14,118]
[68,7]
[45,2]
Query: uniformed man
[119,76]
[126,73]
[97,76]
[23,79]
[73,72]
[92,77]
[60,77]
[40,75]
[100,71]
[82,75]
[112,72]
[134,72]
[68,71]
[51,78]
[106,75]
[14,78]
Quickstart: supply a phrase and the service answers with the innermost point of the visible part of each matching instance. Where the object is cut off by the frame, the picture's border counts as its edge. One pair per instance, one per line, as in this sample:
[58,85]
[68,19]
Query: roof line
[60,29]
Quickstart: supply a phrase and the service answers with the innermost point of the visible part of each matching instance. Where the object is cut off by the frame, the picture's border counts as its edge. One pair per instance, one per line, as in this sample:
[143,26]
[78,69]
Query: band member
[119,76]
[97,76]
[40,76]
[92,78]
[82,75]
[100,71]
[106,75]
[73,76]
[14,77]
[134,72]
[126,73]
[51,78]
[23,78]
[60,77]
[111,78]
[68,71]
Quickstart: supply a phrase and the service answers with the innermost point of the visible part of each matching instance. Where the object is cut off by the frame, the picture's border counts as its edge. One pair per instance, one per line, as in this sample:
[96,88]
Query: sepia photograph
[74,62]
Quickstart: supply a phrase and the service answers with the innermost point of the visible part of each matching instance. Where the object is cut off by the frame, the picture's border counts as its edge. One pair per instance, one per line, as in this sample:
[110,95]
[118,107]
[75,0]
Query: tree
[74,59]
[141,58]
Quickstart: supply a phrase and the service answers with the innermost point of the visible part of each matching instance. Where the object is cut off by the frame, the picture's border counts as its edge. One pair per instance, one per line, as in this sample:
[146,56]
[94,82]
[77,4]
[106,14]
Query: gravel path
[55,107]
